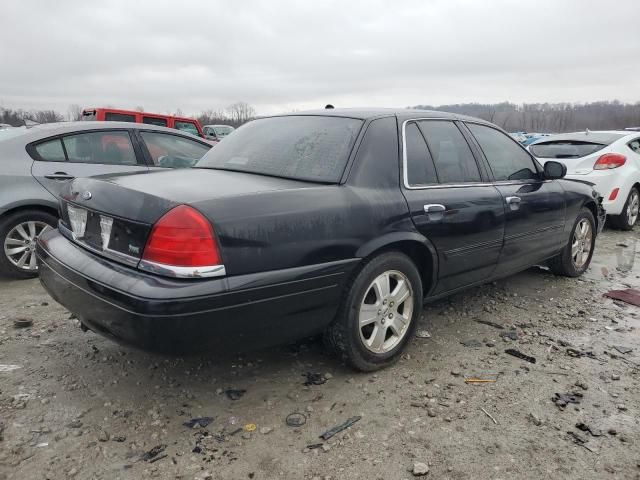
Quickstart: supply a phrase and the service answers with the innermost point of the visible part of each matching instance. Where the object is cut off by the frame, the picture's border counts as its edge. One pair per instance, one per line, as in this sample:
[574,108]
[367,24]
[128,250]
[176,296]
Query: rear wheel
[575,257]
[627,219]
[378,313]
[19,233]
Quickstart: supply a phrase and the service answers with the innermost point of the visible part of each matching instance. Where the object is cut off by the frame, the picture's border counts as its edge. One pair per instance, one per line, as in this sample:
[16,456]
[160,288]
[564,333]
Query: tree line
[235,115]
[550,117]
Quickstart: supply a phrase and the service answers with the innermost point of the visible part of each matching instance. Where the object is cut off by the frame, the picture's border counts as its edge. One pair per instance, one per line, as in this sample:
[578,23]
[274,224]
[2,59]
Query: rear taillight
[609,160]
[183,237]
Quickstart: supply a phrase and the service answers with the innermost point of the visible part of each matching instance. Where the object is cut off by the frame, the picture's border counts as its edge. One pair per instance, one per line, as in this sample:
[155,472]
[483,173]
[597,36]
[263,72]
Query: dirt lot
[78,405]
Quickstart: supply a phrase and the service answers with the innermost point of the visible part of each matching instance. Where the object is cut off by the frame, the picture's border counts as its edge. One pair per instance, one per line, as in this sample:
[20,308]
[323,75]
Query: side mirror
[554,170]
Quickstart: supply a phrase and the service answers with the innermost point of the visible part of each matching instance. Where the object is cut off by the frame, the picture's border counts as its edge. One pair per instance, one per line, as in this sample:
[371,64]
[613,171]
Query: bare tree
[240,112]
[74,112]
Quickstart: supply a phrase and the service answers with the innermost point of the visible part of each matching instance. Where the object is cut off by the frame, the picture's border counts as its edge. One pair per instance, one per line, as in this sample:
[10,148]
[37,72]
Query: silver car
[36,162]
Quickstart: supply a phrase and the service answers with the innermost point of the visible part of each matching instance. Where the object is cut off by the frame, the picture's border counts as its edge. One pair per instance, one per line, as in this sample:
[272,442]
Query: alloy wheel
[582,243]
[633,205]
[385,312]
[20,244]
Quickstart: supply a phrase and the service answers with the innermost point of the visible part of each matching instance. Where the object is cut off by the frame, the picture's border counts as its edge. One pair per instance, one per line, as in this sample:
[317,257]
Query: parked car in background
[189,125]
[334,221]
[5,126]
[533,137]
[217,132]
[37,162]
[608,159]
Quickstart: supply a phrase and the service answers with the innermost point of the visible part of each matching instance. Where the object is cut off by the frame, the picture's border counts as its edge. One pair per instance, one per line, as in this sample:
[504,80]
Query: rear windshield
[313,148]
[565,149]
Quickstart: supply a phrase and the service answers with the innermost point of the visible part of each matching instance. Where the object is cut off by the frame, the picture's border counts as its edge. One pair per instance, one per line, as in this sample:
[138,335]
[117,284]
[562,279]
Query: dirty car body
[292,239]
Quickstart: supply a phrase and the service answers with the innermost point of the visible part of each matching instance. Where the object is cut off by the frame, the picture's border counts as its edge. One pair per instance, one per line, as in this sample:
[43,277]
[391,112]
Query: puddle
[618,256]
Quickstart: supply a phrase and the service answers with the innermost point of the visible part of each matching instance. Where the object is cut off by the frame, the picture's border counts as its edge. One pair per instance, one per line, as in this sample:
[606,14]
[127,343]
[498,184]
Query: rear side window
[119,117]
[420,168]
[565,149]
[634,145]
[51,151]
[160,122]
[187,127]
[173,151]
[109,147]
[451,154]
[508,161]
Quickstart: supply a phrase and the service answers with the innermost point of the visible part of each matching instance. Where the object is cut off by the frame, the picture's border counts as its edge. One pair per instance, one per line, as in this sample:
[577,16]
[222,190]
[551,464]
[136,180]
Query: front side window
[51,151]
[187,127]
[420,169]
[508,161]
[451,154]
[173,151]
[110,147]
[119,117]
[303,147]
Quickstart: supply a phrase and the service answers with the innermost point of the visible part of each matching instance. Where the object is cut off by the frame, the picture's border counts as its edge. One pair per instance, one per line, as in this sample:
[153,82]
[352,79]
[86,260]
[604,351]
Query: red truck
[184,124]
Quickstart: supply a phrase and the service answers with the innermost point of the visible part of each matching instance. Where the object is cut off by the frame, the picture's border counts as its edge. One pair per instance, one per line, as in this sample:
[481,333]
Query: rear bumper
[179,316]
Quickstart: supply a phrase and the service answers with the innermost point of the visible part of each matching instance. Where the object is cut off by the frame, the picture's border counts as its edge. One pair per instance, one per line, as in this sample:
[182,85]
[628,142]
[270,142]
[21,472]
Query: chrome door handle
[434,211]
[59,176]
[513,202]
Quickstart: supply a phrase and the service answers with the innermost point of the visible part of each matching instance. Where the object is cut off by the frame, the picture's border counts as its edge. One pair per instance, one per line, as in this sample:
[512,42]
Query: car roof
[45,130]
[606,137]
[370,113]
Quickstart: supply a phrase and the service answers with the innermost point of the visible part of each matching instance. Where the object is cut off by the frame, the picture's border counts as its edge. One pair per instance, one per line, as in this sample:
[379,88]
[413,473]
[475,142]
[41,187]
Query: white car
[609,159]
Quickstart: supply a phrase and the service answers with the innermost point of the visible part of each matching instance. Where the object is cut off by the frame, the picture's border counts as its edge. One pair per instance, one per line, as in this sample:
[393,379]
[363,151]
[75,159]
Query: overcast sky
[285,55]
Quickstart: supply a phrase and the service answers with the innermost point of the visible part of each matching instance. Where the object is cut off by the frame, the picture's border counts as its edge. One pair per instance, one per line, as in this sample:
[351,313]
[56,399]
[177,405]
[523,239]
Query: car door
[167,150]
[534,207]
[83,154]
[452,203]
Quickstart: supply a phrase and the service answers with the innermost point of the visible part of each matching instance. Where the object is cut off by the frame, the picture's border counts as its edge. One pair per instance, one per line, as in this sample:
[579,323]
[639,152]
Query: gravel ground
[75,405]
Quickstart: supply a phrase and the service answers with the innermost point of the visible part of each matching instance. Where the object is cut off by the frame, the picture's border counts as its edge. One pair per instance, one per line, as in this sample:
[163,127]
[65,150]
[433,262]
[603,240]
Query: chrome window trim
[405,178]
[182,272]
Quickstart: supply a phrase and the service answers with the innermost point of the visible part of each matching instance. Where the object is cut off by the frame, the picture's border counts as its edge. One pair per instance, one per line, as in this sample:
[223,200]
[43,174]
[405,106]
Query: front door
[534,207]
[451,202]
[84,154]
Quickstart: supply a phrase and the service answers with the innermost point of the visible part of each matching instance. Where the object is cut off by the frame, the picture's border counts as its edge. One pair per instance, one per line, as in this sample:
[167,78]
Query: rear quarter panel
[577,195]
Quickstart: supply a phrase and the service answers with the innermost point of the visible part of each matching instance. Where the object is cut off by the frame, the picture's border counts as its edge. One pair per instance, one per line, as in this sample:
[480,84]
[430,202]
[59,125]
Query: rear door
[452,203]
[535,207]
[84,154]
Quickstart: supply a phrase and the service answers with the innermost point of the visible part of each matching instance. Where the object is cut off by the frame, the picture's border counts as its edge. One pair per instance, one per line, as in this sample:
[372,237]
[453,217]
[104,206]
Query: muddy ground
[80,406]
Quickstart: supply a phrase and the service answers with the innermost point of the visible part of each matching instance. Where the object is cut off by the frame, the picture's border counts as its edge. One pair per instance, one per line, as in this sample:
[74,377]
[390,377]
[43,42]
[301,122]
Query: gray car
[35,163]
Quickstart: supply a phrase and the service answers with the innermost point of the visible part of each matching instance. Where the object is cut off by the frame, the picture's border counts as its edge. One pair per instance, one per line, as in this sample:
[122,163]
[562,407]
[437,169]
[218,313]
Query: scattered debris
[266,430]
[489,415]
[619,348]
[420,469]
[510,334]
[580,440]
[595,432]
[22,322]
[250,427]
[314,379]
[423,334]
[519,354]
[630,296]
[479,380]
[198,422]
[154,452]
[576,353]
[296,419]
[338,428]
[473,343]
[234,394]
[153,460]
[491,324]
[537,421]
[8,368]
[563,399]
[313,446]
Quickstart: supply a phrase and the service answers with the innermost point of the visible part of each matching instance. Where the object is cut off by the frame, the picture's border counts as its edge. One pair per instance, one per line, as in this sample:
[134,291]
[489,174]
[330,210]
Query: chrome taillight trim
[182,272]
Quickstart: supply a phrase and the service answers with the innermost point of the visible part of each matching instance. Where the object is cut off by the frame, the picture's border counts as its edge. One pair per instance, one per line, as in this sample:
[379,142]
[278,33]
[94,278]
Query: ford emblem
[86,195]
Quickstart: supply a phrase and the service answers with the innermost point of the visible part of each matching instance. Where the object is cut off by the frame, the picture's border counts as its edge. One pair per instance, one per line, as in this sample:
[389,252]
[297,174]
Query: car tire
[12,251]
[575,257]
[627,219]
[374,322]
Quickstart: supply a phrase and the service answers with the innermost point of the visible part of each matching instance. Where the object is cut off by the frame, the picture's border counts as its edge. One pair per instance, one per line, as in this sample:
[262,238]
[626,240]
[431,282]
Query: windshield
[301,147]
[223,131]
[565,149]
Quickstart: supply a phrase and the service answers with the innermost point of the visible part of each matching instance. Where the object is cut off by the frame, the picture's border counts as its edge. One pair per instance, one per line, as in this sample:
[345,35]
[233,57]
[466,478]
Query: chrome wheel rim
[582,243]
[633,205]
[385,312]
[20,244]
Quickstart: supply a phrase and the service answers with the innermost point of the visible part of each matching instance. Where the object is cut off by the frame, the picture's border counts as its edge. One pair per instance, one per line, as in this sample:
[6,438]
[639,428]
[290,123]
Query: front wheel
[627,219]
[575,257]
[378,313]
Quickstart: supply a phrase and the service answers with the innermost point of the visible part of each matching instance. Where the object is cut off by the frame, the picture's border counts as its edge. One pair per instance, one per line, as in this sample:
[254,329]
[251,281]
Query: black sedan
[334,221]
